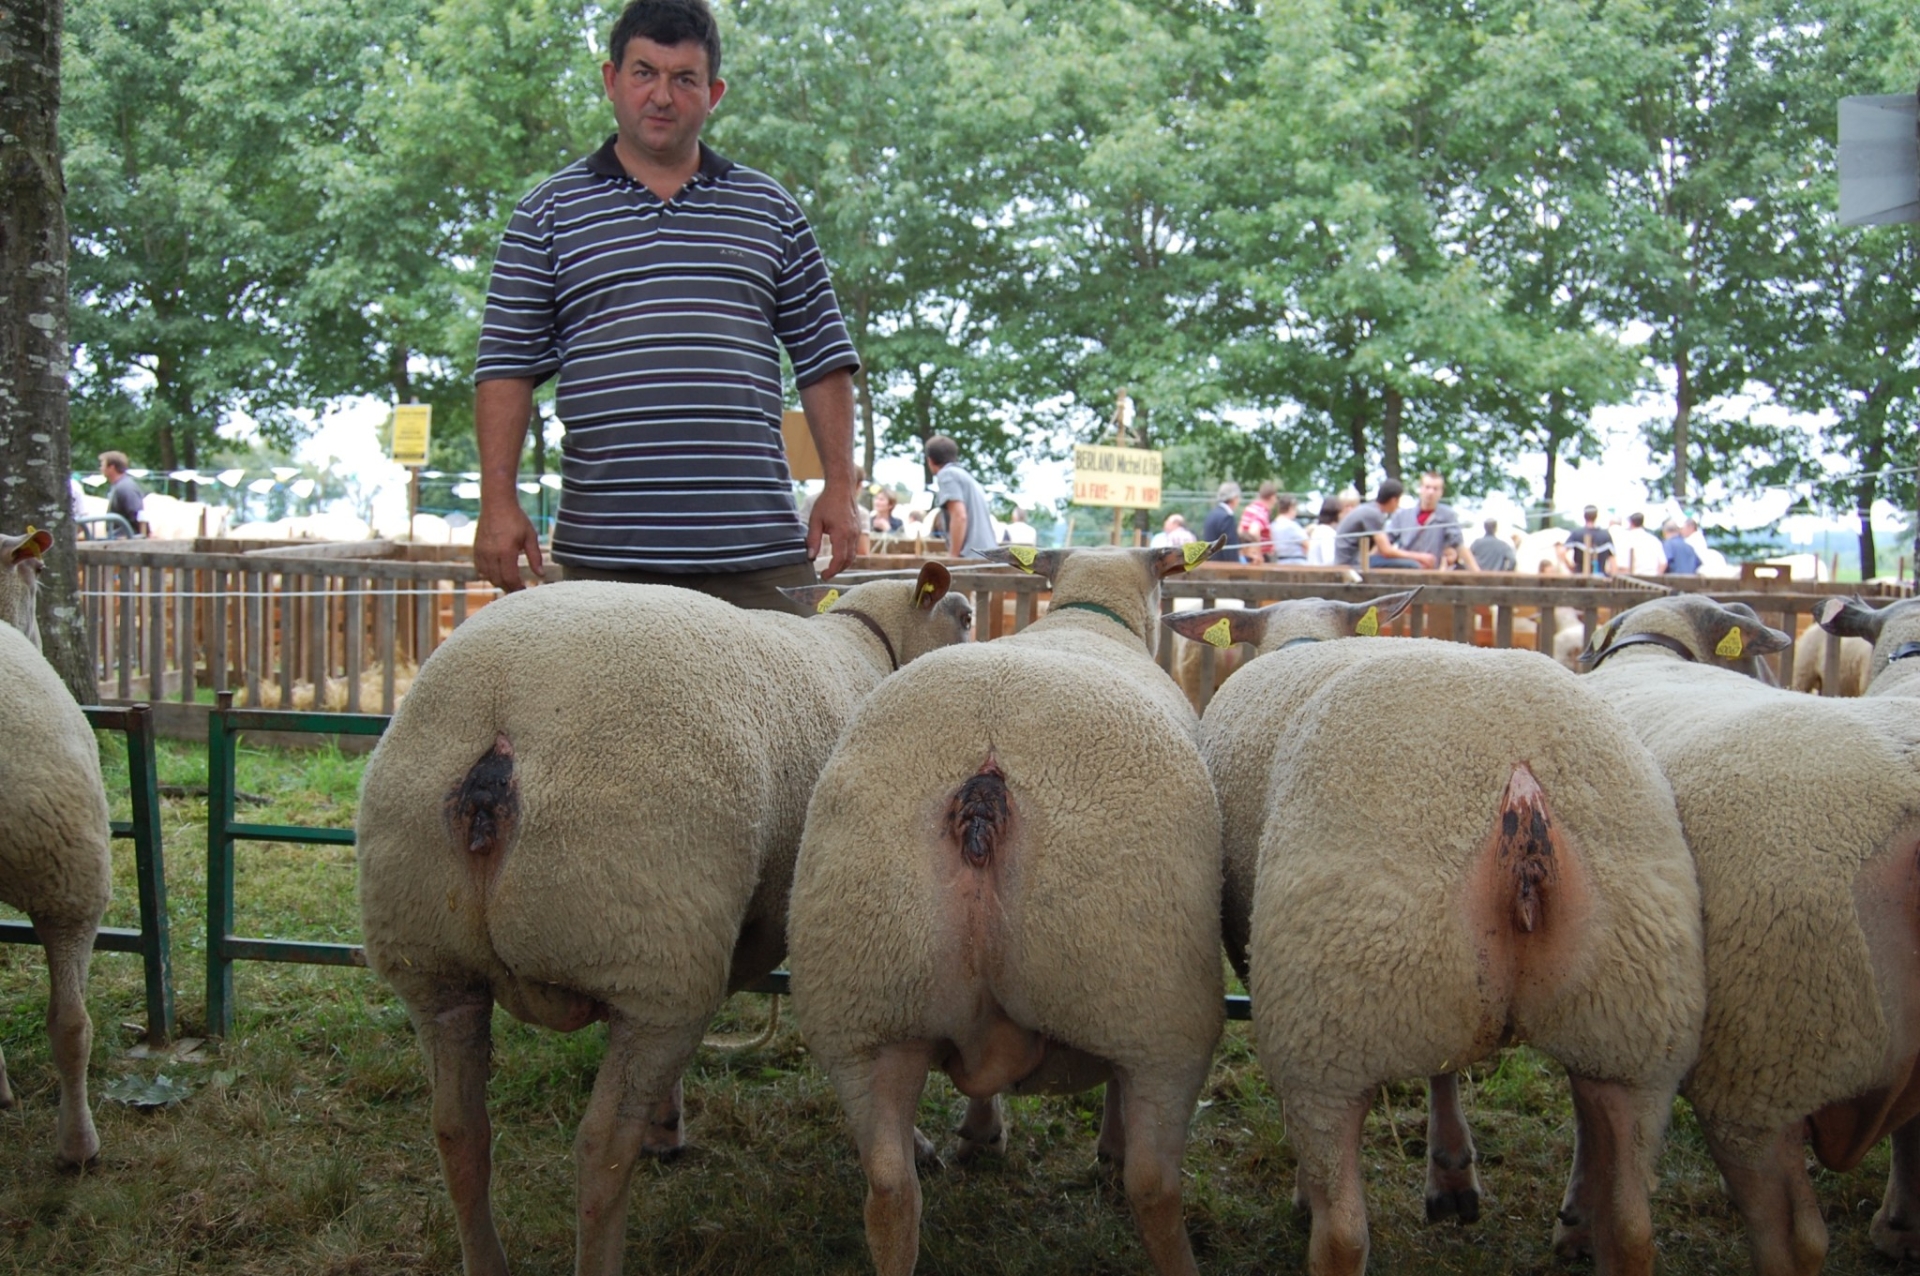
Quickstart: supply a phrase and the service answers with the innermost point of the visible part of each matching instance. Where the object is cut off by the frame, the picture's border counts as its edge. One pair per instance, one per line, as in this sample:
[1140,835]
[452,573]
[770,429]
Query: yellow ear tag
[1369,625]
[832,597]
[1219,633]
[1732,645]
[926,591]
[29,548]
[1023,556]
[1196,554]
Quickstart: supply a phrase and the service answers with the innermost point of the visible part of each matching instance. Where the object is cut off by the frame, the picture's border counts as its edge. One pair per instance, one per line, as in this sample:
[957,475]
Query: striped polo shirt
[665,320]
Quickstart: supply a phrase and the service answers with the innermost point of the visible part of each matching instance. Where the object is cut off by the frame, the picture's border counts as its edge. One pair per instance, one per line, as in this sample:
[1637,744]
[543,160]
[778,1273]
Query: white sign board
[1879,159]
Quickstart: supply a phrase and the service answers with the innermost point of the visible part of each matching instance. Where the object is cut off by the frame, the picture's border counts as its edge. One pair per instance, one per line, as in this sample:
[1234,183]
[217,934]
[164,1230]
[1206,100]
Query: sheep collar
[1295,642]
[854,613]
[1108,612]
[1658,640]
[1904,650]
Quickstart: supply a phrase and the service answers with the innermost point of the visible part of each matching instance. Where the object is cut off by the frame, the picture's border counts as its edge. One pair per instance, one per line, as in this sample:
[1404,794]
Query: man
[124,496]
[958,495]
[660,281]
[1174,532]
[1431,528]
[1637,551]
[1587,548]
[1289,538]
[1256,525]
[1369,518]
[1681,560]
[1222,521]
[1492,553]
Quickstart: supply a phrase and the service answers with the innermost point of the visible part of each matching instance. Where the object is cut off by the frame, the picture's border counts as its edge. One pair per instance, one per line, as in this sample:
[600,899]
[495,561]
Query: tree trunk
[1863,498]
[35,449]
[1682,415]
[1357,436]
[863,390]
[1390,433]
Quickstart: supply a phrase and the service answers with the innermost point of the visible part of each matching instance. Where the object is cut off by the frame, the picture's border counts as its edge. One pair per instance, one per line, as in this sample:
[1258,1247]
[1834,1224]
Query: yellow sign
[1127,477]
[412,427]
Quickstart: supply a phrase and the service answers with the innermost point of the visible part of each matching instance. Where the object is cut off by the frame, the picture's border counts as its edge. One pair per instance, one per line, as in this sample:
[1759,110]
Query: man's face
[1431,490]
[111,470]
[661,97]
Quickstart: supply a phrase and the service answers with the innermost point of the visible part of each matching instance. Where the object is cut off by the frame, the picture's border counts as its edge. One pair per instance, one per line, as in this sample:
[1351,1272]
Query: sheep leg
[1155,1110]
[638,1078]
[1896,1228]
[1785,1234]
[1112,1147]
[983,1129]
[456,1038]
[6,1091]
[1453,1186]
[880,1095]
[666,1125]
[1619,1132]
[69,948]
[1326,1132]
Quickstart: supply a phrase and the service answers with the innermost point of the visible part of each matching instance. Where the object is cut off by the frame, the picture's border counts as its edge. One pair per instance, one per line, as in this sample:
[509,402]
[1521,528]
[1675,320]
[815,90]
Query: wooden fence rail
[340,626]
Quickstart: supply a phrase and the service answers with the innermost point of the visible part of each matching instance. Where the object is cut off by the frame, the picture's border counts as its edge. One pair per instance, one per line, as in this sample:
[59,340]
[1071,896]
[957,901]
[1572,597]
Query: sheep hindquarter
[1028,899]
[55,864]
[1416,909]
[1803,816]
[587,808]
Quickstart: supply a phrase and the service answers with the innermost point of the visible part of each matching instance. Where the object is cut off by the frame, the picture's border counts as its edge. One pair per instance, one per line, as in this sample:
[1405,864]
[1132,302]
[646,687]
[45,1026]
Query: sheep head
[1894,630]
[912,616]
[1693,627]
[1123,583]
[22,558]
[1292,620]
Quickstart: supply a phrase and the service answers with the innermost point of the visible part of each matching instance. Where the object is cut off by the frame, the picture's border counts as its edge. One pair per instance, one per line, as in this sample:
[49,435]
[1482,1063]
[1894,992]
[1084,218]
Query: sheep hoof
[925,1155]
[1462,1206]
[965,1149]
[1894,1236]
[1572,1237]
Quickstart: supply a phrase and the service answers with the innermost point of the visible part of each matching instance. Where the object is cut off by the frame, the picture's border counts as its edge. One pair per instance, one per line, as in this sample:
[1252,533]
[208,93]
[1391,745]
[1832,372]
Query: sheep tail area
[1524,848]
[483,809]
[979,813]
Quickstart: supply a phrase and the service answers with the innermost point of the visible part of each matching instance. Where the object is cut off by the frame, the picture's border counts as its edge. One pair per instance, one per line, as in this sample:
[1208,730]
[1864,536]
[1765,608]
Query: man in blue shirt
[1681,560]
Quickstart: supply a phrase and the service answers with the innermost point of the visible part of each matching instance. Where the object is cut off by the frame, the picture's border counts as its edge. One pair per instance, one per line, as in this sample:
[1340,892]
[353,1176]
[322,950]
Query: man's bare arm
[828,404]
[501,409]
[956,527]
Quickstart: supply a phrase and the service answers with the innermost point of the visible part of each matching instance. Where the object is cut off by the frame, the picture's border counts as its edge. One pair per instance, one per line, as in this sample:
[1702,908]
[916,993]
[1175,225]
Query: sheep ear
[1184,558]
[1601,637]
[1368,619]
[1034,562]
[934,582]
[32,545]
[812,598]
[1219,626]
[1851,618]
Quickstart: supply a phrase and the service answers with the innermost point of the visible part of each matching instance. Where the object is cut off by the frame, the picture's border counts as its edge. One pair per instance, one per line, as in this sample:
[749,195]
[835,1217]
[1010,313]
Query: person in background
[1288,537]
[1637,551]
[1681,559]
[1174,532]
[1018,530]
[1431,528]
[958,496]
[1223,521]
[883,519]
[1256,525]
[1321,537]
[1369,518]
[1492,553]
[124,496]
[1691,533]
[1588,548]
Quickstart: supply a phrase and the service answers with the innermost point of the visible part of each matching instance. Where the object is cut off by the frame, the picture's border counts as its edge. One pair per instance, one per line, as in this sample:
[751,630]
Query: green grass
[305,1147]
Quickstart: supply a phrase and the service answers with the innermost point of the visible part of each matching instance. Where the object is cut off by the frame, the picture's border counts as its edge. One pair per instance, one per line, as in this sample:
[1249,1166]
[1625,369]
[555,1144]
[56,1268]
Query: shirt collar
[713,165]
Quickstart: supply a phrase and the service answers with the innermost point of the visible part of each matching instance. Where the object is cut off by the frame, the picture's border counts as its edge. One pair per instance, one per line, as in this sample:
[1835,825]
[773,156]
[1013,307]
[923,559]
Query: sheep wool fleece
[1794,807]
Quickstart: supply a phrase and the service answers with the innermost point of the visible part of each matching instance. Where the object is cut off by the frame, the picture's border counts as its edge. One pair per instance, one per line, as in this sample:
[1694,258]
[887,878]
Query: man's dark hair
[1493,526]
[1286,505]
[1636,520]
[1390,490]
[942,450]
[667,22]
[1590,513]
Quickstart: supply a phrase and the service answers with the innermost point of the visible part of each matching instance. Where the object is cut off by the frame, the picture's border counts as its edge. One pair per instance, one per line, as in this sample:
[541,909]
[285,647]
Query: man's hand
[835,518]
[503,534]
[1426,560]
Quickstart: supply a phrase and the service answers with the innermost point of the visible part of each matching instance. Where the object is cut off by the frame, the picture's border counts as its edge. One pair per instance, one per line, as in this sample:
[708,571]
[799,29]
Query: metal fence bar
[152,941]
[224,726]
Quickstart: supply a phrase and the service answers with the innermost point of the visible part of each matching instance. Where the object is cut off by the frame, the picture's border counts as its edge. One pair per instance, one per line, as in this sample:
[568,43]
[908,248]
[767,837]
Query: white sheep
[1810,662]
[1511,872]
[1027,899]
[1803,815]
[587,808]
[55,863]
